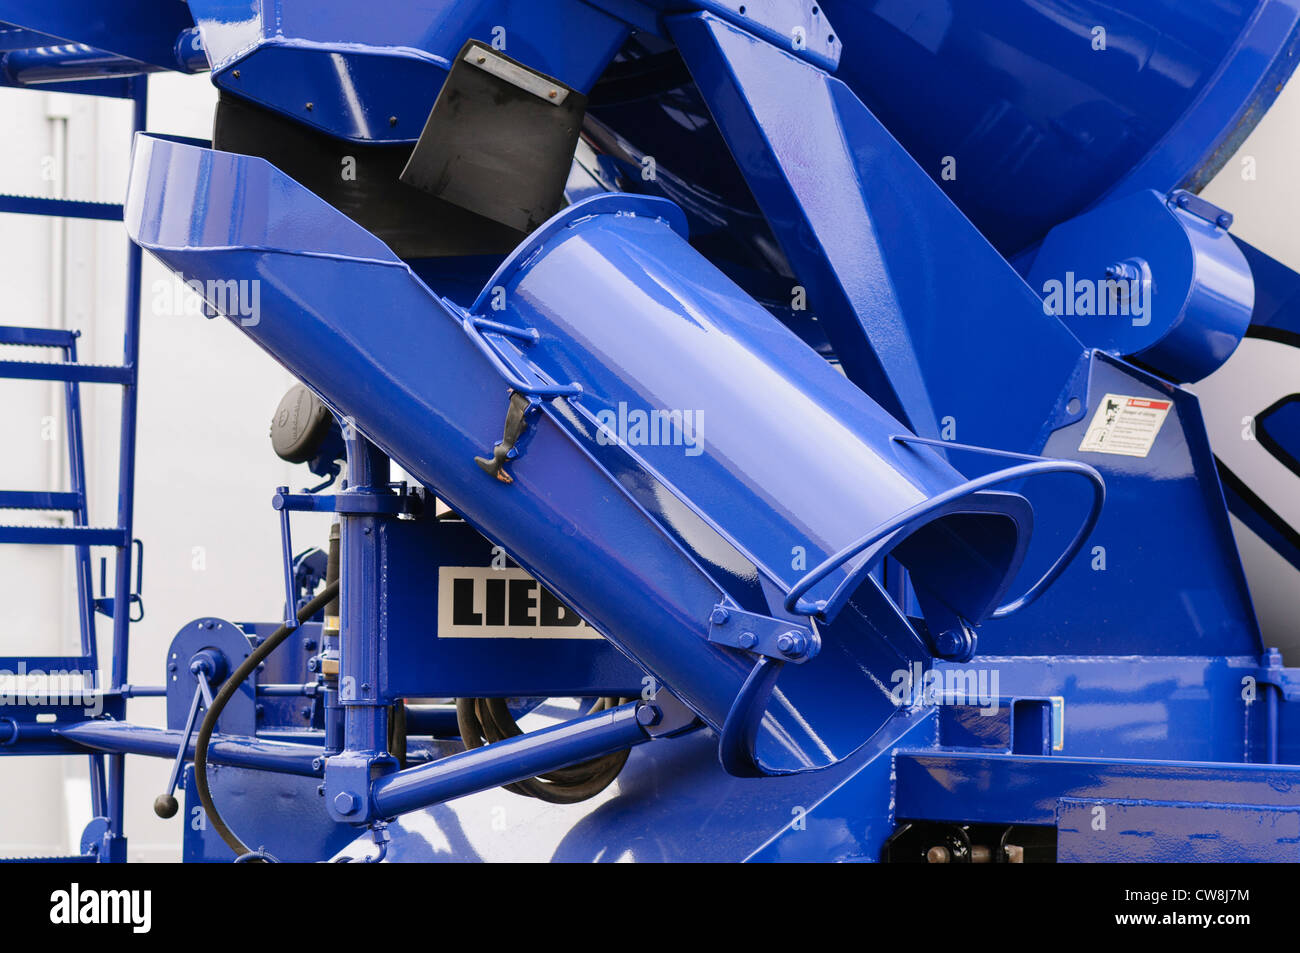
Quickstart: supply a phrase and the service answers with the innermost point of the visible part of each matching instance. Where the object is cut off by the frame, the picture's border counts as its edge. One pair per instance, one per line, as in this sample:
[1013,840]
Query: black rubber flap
[361,181]
[500,139]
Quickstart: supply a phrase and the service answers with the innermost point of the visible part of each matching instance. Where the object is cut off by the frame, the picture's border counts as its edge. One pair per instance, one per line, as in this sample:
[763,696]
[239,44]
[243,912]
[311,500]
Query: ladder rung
[66,371]
[48,663]
[38,500]
[64,535]
[67,859]
[37,337]
[60,208]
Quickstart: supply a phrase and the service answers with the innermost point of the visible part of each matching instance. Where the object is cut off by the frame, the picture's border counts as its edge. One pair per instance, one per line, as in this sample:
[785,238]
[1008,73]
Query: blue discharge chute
[678,466]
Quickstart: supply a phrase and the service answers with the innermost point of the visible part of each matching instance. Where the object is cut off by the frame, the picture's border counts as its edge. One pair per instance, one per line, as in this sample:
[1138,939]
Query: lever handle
[164,805]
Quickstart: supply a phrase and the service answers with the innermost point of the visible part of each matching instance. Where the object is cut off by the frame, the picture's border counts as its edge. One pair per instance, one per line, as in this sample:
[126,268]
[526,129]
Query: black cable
[489,720]
[228,689]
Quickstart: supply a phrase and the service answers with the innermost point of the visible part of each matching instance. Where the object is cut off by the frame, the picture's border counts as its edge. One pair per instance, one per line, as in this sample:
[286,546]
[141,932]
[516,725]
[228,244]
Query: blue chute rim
[1035,466]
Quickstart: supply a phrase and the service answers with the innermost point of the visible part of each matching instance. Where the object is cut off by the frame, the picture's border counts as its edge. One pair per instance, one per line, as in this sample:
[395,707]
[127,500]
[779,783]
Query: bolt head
[792,644]
[648,715]
[748,640]
[345,802]
[949,642]
[719,616]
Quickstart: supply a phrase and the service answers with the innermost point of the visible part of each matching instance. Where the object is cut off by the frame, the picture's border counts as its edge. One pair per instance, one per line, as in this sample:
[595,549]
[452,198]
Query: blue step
[39,500]
[38,337]
[64,535]
[66,371]
[60,208]
[68,859]
[48,663]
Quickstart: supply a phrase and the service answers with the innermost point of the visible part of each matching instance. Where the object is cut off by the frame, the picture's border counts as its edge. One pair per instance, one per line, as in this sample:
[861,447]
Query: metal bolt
[552,94]
[309,644]
[316,765]
[392,120]
[748,640]
[719,616]
[792,644]
[950,642]
[647,715]
[1224,221]
[345,802]
[235,73]
[938,855]
[311,106]
[482,60]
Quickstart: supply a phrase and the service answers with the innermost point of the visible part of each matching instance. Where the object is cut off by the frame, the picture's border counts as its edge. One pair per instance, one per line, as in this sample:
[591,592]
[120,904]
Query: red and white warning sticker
[1125,425]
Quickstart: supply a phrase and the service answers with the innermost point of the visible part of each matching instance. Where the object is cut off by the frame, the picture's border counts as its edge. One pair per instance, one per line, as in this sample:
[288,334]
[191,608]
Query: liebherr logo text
[75,906]
[478,602]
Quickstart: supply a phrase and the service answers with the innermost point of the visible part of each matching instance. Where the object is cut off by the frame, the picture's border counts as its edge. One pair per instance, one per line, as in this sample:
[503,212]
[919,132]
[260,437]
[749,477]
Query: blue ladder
[107,786]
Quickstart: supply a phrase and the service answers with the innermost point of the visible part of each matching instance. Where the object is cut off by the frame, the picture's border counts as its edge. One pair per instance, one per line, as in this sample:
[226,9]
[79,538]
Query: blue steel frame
[868,233]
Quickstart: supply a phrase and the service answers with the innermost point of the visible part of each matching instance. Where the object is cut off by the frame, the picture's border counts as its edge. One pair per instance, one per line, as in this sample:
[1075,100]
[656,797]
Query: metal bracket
[519,417]
[1205,211]
[763,635]
[404,501]
[1285,680]
[104,604]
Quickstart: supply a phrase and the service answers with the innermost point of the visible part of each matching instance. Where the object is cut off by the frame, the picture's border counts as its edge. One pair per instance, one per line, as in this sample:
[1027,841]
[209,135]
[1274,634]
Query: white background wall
[205,469]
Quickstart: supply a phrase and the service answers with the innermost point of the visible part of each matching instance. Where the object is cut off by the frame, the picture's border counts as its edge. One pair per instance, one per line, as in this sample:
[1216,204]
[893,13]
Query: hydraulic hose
[228,689]
[489,720]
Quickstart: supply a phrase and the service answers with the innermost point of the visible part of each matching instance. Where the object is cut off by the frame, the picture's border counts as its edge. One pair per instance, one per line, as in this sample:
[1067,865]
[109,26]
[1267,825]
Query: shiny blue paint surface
[269,808]
[1004,788]
[362,72]
[1137,663]
[1161,592]
[874,240]
[505,762]
[436,424]
[701,814]
[144,30]
[647,534]
[1190,300]
[1040,123]
[1175,832]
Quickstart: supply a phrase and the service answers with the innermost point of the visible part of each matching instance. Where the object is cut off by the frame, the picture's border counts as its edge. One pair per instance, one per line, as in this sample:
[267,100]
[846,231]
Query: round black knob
[164,805]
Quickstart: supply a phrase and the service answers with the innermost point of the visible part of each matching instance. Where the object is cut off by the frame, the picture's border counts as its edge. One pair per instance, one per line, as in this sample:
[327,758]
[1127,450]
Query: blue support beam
[975,787]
